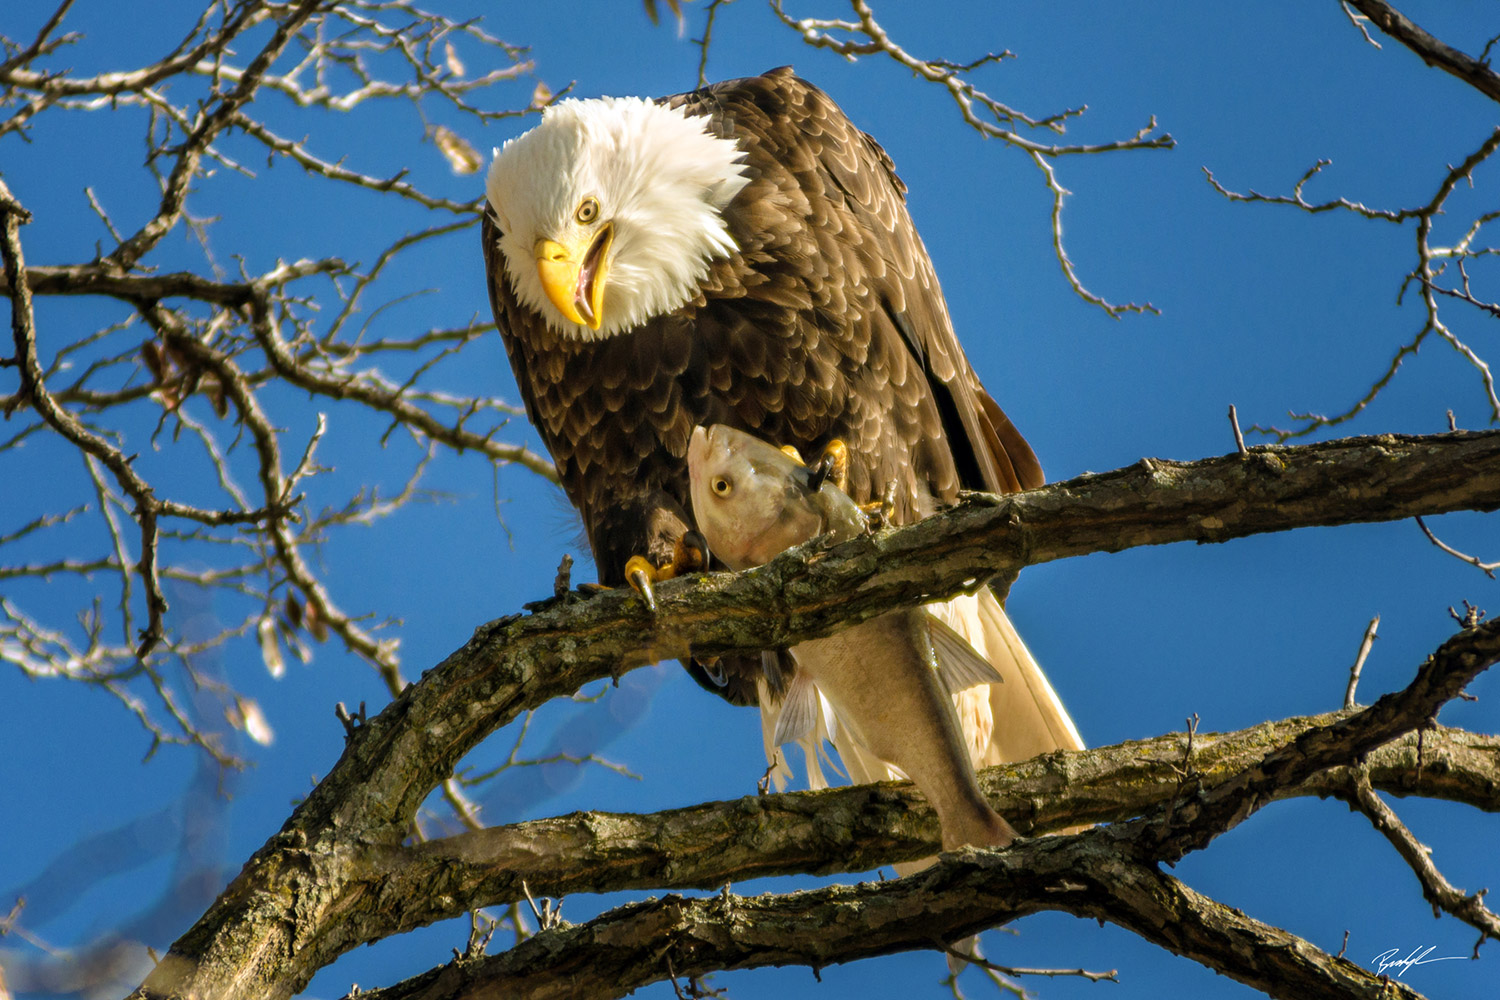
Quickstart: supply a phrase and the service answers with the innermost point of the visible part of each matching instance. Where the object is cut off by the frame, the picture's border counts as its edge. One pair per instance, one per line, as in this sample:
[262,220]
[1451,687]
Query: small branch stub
[1359,660]
[1239,436]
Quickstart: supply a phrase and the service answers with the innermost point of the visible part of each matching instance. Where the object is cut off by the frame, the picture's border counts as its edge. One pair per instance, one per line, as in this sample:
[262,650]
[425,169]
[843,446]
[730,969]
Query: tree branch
[1436,889]
[250,942]
[861,827]
[964,892]
[1106,873]
[33,391]
[985,114]
[120,398]
[1434,51]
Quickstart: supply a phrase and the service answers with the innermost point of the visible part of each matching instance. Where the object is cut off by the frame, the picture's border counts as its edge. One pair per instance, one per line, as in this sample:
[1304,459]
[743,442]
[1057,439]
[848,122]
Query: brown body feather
[826,323]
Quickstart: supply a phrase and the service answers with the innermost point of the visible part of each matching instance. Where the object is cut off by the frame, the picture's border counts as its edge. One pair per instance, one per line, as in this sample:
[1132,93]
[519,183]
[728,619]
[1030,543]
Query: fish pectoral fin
[833,765]
[802,716]
[959,665]
[800,708]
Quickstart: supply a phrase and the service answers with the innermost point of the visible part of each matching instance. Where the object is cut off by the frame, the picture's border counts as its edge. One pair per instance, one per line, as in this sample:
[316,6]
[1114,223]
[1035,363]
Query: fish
[883,690]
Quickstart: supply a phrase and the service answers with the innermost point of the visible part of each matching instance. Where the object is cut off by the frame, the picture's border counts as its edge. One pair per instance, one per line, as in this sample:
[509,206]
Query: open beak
[573,276]
[697,455]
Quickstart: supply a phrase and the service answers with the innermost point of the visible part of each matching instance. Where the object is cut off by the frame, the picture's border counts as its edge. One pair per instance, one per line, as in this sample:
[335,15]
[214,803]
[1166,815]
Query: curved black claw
[818,474]
[713,669]
[691,554]
[832,466]
[640,574]
[882,513]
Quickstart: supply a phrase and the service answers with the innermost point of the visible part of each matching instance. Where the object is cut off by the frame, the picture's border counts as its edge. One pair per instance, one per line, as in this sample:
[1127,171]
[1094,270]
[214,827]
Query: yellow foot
[640,573]
[882,513]
[689,555]
[832,466]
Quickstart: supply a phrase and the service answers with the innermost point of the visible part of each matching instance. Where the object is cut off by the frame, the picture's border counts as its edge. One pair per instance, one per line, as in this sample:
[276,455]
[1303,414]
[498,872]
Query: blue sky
[1263,307]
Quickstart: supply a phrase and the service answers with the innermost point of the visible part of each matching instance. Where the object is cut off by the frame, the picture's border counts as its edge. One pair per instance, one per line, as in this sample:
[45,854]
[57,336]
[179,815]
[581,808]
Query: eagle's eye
[588,210]
[722,486]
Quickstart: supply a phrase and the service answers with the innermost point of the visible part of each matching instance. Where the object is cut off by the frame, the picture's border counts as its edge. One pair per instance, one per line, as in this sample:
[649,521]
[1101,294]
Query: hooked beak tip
[574,277]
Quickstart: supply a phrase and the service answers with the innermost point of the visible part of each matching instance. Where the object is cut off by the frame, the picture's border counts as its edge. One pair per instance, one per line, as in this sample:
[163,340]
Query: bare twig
[1184,771]
[1471,617]
[549,914]
[1360,22]
[983,113]
[1239,437]
[1359,660]
[703,43]
[200,336]
[1488,568]
[1113,975]
[1435,888]
[1431,265]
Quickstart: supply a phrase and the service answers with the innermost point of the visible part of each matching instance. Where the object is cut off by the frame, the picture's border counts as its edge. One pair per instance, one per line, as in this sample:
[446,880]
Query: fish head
[751,500]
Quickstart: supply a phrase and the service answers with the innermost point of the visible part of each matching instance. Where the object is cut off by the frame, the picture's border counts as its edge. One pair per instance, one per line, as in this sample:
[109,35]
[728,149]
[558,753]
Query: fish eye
[723,487]
[588,210]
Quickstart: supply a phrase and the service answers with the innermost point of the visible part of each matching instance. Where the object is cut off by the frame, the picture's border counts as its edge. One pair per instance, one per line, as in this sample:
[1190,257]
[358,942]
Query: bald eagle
[740,255]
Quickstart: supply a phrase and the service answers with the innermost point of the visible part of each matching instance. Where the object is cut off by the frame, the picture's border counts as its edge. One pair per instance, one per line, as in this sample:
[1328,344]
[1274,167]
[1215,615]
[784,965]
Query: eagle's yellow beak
[573,276]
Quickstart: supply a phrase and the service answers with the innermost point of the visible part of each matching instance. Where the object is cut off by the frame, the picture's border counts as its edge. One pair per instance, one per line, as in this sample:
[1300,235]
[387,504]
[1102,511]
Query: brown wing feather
[827,323]
[825,226]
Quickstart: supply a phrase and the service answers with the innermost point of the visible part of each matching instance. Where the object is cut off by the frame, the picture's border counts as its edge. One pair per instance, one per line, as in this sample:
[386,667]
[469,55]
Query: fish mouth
[697,452]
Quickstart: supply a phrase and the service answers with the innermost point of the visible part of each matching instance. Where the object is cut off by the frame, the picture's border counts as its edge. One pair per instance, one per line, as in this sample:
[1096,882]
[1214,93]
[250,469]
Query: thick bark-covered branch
[1434,51]
[861,827]
[966,891]
[300,901]
[1439,679]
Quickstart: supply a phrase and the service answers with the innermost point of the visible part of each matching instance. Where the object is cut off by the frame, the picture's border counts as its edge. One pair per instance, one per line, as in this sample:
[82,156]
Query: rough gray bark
[316,889]
[965,892]
[861,827]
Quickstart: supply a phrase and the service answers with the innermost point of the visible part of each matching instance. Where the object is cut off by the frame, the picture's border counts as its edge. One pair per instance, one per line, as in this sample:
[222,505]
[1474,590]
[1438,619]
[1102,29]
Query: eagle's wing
[824,229]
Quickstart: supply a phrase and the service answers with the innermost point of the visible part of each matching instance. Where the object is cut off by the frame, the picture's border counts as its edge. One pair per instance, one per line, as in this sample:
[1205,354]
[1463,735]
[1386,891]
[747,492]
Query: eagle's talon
[713,669]
[640,574]
[689,555]
[832,466]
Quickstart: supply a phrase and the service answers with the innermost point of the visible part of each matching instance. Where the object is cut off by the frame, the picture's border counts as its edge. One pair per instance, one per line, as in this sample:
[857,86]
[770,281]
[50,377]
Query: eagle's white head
[610,211]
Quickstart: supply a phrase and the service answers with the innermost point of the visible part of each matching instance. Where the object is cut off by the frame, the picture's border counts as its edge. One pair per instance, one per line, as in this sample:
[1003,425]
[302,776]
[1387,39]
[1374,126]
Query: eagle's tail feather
[1029,718]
